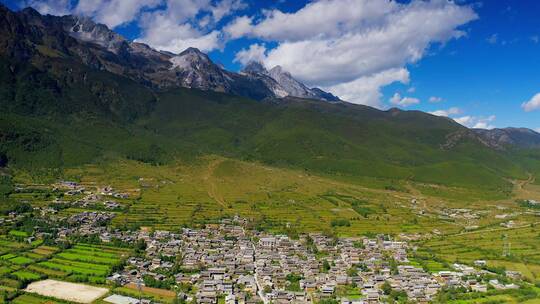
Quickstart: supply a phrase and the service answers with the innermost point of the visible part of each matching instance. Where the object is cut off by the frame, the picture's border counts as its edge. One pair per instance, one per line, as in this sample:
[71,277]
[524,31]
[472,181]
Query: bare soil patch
[79,293]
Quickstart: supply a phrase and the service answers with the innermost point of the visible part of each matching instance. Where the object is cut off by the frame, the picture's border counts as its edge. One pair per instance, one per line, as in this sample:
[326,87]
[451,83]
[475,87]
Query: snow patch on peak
[191,58]
[180,62]
[84,29]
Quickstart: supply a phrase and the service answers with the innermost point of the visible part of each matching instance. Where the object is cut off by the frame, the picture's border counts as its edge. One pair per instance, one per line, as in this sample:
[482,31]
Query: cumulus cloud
[178,25]
[435,99]
[403,101]
[447,113]
[367,90]
[327,43]
[533,104]
[52,7]
[255,52]
[171,25]
[226,7]
[114,12]
[238,28]
[109,12]
[476,122]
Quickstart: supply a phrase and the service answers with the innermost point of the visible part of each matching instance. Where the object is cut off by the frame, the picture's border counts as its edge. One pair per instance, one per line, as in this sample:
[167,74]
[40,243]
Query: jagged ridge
[101,48]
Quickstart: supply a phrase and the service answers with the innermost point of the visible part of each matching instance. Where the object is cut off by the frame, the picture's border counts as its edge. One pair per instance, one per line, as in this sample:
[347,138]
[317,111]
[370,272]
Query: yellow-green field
[169,196]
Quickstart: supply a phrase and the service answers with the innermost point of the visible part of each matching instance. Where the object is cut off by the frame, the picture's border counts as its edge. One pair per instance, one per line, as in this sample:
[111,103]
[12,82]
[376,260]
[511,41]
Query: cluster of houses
[226,262]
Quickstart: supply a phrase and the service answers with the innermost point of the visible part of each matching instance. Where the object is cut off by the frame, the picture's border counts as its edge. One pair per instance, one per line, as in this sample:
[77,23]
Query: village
[228,262]
[225,261]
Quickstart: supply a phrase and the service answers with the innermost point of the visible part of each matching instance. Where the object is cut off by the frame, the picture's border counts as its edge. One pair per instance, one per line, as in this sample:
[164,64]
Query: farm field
[160,295]
[35,299]
[500,296]
[522,254]
[166,197]
[80,263]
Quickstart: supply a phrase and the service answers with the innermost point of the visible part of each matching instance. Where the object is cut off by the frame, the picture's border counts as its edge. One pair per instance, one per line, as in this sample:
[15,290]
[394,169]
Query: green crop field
[7,256]
[523,254]
[25,275]
[80,263]
[35,299]
[83,262]
[21,260]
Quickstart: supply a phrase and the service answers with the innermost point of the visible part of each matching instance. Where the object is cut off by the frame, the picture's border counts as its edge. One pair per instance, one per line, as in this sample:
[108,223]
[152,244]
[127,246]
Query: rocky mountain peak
[28,11]
[255,67]
[85,29]
[191,51]
[98,47]
[278,70]
[192,58]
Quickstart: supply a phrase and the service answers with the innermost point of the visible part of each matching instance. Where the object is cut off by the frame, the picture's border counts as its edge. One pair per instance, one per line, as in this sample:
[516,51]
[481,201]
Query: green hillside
[61,108]
[51,123]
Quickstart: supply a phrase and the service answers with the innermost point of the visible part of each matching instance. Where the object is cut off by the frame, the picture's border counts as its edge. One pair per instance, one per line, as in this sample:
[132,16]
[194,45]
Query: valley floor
[446,224]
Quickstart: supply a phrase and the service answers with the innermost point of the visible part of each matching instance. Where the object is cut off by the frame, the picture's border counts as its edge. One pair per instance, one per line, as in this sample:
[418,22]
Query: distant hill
[69,99]
[510,137]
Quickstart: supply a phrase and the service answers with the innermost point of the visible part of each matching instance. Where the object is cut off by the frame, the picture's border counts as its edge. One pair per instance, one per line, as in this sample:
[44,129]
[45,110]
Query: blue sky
[476,62]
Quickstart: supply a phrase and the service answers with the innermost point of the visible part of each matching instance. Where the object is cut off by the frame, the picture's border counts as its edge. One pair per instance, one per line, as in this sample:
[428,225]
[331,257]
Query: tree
[140,246]
[352,272]
[386,288]
[326,266]
[394,267]
[3,160]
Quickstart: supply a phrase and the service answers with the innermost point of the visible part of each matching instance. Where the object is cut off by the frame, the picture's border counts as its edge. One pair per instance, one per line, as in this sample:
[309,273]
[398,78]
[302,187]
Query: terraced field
[80,263]
[83,262]
[523,247]
[167,197]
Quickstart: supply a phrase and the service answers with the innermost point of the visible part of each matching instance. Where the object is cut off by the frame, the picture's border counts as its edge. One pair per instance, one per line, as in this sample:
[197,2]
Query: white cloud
[327,43]
[226,7]
[114,12]
[533,104]
[403,101]
[169,28]
[366,90]
[178,25]
[255,52]
[52,7]
[411,90]
[476,122]
[448,112]
[435,99]
[239,27]
[171,25]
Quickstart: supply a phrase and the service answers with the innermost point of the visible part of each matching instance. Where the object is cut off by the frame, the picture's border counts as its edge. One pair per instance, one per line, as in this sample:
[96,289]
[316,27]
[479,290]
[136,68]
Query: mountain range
[97,46]
[74,92]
